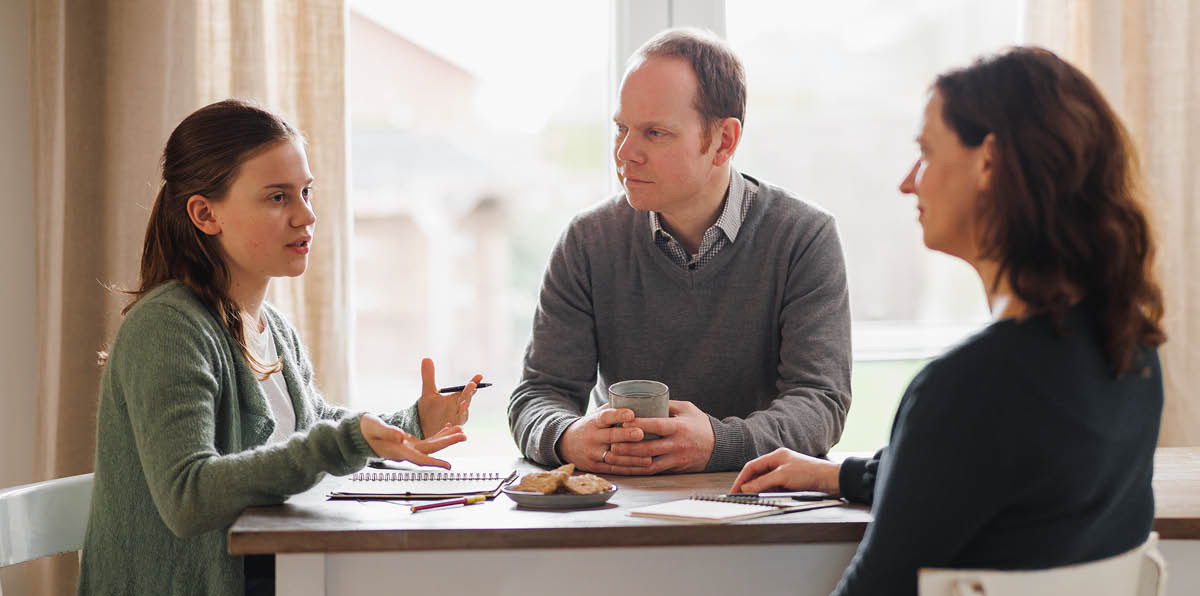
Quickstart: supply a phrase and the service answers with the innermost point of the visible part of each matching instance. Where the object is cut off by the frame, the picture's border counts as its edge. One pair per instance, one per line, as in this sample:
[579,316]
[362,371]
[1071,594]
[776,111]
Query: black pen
[457,388]
[802,495]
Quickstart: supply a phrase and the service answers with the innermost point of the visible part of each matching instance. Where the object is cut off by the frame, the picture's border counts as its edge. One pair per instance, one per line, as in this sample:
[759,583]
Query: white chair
[1138,572]
[44,518]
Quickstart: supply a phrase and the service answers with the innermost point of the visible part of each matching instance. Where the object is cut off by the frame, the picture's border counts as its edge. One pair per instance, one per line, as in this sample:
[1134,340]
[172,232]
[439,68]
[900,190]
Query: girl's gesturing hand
[390,442]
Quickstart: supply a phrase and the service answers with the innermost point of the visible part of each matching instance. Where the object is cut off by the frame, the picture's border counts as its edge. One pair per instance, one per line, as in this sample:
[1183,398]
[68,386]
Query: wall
[18,362]
[18,355]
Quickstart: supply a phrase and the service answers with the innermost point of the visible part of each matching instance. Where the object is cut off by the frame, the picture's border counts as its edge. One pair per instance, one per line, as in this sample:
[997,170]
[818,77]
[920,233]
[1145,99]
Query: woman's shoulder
[980,364]
[1012,358]
[977,349]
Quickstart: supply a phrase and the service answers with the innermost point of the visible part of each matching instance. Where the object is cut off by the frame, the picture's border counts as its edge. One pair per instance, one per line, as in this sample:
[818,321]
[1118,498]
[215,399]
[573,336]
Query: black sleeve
[856,478]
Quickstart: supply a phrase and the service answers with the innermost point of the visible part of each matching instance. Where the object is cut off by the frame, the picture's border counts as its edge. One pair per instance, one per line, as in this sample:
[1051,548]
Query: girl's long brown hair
[202,157]
[1064,211]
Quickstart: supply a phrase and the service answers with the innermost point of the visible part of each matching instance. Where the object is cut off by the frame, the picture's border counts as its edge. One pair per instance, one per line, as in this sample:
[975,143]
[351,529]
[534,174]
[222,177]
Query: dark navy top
[1018,449]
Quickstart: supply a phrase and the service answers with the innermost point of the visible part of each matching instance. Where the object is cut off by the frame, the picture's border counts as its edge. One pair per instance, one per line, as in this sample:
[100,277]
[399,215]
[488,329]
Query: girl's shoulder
[172,294]
[170,307]
[169,324]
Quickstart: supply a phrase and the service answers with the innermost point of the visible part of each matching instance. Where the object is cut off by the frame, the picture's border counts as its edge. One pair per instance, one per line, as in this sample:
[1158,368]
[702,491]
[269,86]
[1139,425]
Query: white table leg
[300,574]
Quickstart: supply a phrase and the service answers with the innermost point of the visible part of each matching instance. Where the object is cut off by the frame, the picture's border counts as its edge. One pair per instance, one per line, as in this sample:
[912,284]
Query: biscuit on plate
[586,484]
[541,482]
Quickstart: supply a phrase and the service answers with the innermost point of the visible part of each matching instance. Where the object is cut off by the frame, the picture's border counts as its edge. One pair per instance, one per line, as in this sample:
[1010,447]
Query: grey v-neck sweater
[759,338]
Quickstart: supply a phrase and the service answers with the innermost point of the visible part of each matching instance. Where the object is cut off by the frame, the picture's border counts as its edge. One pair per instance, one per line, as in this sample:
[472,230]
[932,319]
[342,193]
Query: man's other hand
[686,444]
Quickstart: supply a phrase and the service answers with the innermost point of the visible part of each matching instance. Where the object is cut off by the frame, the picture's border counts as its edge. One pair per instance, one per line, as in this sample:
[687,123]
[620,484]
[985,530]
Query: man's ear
[986,165]
[727,133]
[200,211]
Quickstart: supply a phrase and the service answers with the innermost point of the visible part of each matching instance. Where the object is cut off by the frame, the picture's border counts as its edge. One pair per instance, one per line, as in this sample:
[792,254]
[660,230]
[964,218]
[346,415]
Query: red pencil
[461,501]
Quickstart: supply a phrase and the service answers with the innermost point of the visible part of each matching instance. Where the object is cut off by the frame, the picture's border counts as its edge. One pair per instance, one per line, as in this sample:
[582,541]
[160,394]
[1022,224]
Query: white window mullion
[635,21]
[705,14]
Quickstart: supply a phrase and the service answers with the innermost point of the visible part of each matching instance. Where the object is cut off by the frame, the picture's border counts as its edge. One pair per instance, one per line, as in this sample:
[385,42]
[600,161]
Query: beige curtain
[1145,56]
[110,80]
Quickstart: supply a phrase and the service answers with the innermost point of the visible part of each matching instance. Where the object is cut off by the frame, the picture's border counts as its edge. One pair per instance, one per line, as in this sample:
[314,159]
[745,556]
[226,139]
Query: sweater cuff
[357,439]
[729,447]
[552,433]
[854,483]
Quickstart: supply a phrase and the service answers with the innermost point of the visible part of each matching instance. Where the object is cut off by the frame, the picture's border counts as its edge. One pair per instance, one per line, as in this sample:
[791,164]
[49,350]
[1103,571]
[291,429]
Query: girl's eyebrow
[286,185]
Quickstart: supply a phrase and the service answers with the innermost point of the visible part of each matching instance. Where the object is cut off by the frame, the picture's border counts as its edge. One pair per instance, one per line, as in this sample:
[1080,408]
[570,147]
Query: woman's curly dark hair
[1063,214]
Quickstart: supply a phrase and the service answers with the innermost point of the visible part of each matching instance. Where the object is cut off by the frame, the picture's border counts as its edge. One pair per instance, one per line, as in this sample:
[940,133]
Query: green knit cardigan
[180,448]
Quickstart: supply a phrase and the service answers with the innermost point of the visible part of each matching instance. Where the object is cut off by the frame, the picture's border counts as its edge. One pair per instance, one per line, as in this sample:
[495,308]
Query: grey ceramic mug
[647,399]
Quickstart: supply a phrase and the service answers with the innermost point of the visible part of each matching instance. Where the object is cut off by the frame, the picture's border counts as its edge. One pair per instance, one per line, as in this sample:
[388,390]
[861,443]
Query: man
[727,289]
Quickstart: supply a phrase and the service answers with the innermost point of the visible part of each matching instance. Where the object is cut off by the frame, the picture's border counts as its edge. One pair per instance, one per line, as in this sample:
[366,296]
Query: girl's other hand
[438,411]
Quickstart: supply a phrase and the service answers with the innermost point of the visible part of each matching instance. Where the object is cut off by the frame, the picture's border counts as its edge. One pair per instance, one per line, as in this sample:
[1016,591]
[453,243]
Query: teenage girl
[207,403]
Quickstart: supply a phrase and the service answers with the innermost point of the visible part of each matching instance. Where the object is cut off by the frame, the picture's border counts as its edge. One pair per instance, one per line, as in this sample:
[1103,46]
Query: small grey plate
[534,500]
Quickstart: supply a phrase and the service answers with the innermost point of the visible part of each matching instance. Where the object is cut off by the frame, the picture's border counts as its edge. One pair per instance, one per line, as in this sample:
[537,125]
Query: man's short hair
[721,80]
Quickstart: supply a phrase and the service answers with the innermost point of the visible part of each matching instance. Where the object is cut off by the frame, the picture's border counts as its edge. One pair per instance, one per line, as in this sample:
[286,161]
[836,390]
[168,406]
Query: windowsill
[875,341]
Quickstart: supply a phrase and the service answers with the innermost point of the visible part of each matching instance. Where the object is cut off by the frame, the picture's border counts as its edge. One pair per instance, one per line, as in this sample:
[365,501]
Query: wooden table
[335,547]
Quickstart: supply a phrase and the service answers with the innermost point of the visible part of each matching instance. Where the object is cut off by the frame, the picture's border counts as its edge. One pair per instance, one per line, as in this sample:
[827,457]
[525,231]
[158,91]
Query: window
[473,141]
[835,93]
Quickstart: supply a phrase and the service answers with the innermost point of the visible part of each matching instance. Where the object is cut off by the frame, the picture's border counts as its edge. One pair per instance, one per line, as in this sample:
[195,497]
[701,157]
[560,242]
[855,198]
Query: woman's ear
[986,164]
[200,211]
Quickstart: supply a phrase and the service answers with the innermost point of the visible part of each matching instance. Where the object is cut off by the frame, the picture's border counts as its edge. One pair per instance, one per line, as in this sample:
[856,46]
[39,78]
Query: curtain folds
[1144,56]
[110,80]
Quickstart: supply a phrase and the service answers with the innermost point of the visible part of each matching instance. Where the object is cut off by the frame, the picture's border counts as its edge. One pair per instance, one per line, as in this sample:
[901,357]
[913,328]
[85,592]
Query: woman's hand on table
[435,410]
[390,442]
[785,469]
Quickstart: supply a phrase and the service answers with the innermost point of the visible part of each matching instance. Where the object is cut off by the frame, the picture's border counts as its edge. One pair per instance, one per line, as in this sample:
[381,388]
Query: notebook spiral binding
[740,501]
[411,476]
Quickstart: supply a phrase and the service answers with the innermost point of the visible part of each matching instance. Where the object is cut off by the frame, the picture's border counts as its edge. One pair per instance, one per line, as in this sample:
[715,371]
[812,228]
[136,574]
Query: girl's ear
[200,212]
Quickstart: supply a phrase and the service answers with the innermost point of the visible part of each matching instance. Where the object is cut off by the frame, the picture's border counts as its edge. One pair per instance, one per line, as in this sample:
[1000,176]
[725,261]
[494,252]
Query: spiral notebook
[718,510]
[421,484]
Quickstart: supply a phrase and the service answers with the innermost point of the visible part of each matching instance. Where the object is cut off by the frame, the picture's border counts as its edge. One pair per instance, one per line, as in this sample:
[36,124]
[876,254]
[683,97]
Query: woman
[207,403]
[1031,444]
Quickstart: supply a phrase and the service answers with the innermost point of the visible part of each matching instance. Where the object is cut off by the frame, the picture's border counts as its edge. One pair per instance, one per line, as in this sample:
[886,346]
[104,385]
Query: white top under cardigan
[274,387]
